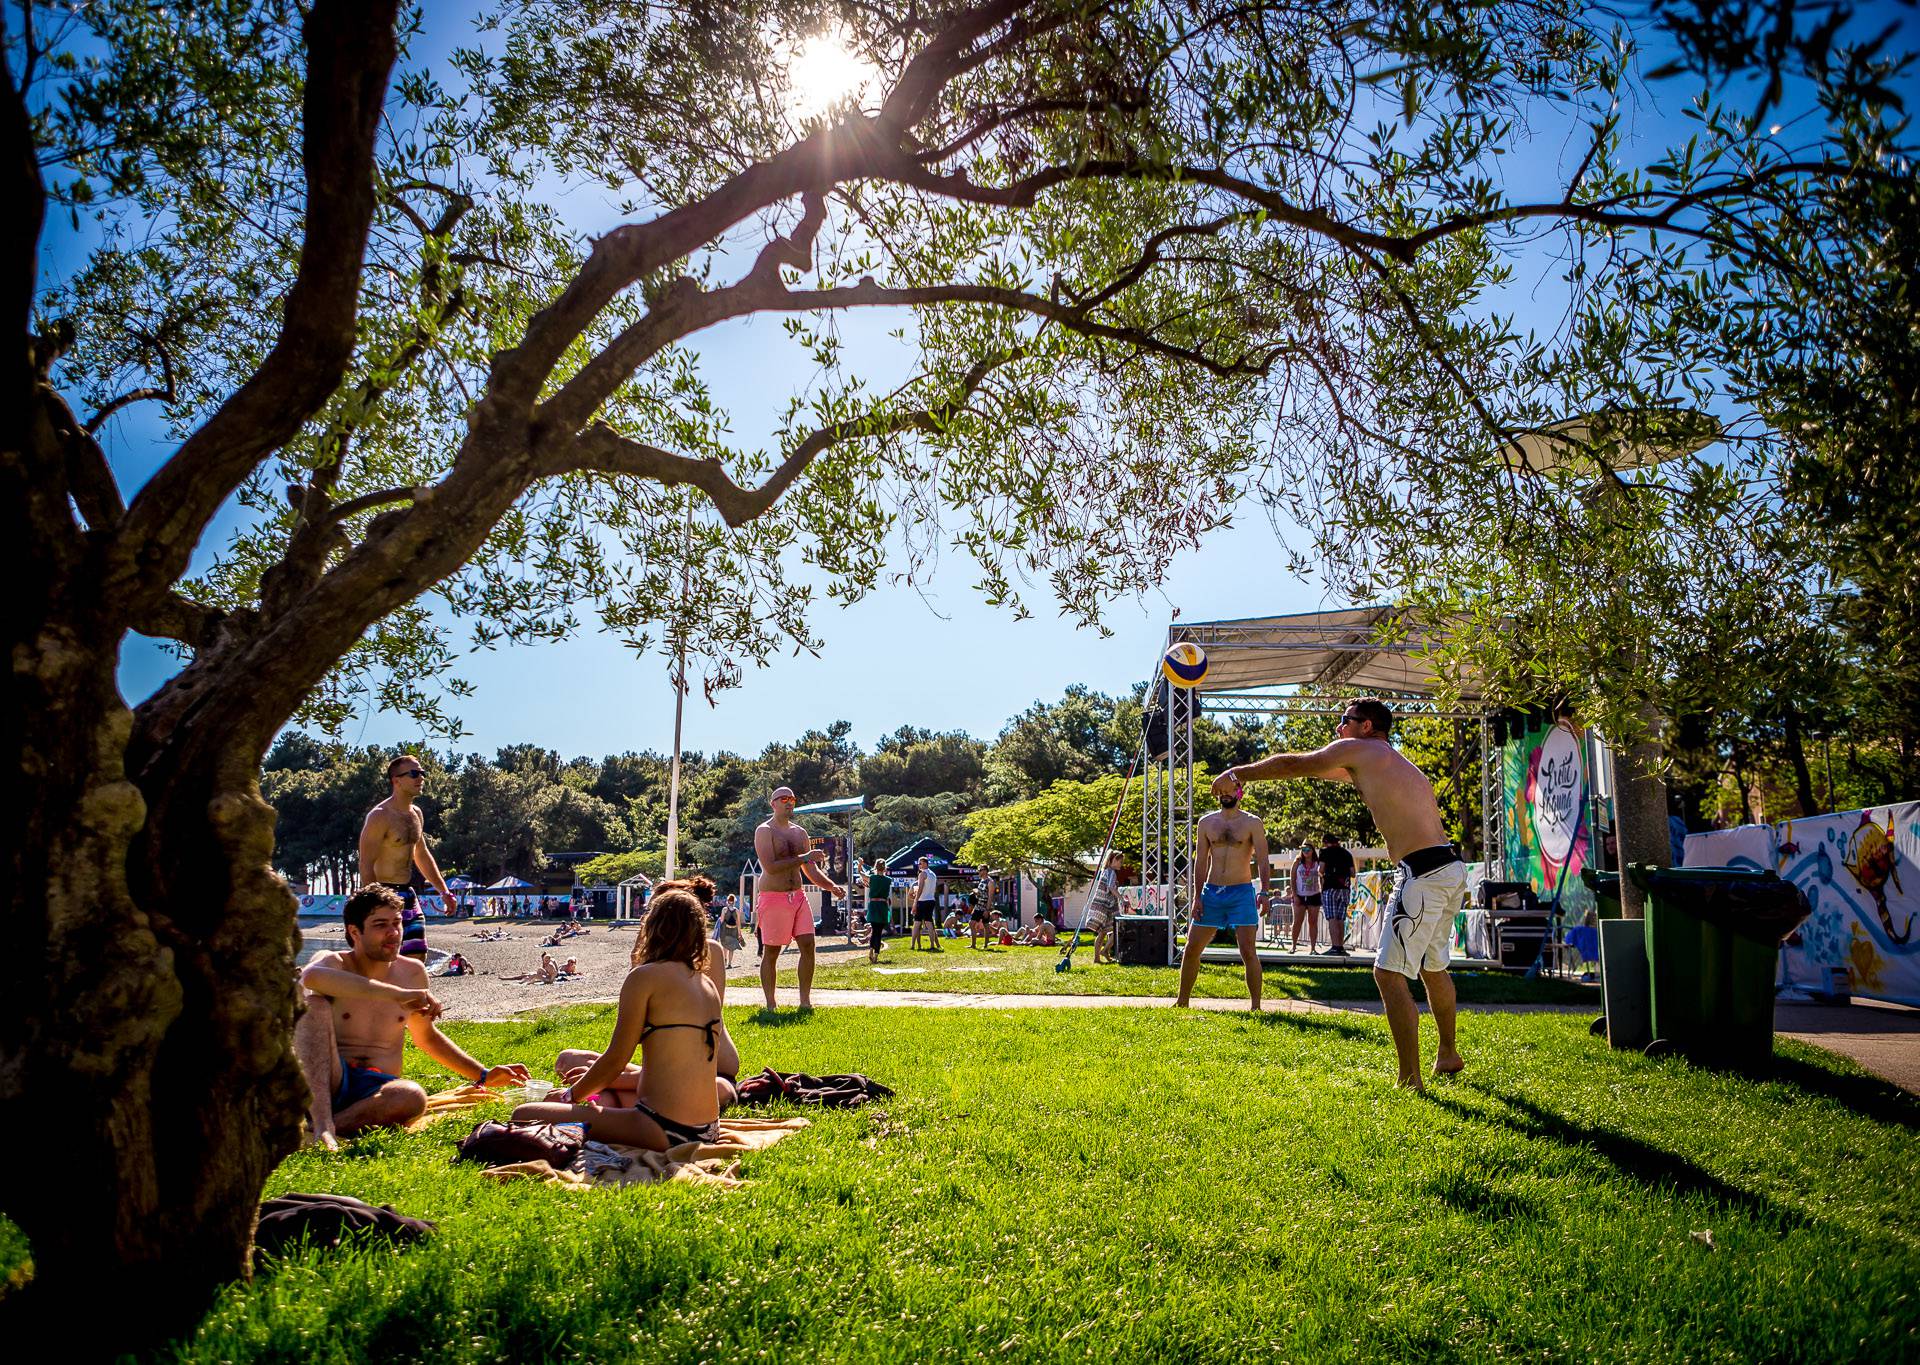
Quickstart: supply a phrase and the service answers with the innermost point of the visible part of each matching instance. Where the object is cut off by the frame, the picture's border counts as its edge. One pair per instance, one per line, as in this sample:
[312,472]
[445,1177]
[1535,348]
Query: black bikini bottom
[685,1132]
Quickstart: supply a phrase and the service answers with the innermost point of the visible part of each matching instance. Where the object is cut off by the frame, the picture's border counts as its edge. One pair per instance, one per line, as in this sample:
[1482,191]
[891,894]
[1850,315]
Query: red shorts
[783,916]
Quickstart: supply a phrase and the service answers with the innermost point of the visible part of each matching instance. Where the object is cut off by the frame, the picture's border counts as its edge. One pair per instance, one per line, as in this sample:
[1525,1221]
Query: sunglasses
[1351,720]
[411,772]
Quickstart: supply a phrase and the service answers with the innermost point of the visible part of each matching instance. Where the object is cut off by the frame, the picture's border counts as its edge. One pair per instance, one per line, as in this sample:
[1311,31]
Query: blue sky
[936,657]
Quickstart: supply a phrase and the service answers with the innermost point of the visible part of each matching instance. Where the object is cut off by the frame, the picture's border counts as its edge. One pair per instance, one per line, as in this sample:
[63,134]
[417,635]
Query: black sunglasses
[411,772]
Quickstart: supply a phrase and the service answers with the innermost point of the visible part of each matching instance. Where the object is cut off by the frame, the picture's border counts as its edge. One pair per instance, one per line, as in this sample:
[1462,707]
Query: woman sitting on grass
[572,1063]
[671,1013]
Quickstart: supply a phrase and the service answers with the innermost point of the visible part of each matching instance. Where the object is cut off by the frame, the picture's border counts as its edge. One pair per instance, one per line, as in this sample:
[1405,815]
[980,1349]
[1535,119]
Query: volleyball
[1185,665]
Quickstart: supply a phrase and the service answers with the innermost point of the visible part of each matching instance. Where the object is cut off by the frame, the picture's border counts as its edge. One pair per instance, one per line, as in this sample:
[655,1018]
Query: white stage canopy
[1363,649]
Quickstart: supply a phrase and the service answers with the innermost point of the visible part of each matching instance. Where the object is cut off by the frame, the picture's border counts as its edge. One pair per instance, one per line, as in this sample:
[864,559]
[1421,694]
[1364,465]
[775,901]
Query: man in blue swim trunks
[1229,844]
[361,1005]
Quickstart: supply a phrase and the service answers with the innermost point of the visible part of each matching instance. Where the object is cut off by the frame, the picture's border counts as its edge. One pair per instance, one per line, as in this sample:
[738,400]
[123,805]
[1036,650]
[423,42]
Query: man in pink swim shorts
[781,908]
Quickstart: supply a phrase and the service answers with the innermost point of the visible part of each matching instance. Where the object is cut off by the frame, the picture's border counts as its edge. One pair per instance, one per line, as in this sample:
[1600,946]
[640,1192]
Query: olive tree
[1137,252]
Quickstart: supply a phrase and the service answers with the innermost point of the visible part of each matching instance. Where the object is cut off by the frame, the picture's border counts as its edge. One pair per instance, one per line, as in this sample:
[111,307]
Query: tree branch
[600,449]
[173,617]
[351,48]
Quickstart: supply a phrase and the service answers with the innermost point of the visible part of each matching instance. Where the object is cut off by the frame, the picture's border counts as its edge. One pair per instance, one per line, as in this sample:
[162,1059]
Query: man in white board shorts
[1428,887]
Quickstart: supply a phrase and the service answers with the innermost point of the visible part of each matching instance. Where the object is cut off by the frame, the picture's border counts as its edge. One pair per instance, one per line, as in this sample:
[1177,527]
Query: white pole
[679,702]
[673,778]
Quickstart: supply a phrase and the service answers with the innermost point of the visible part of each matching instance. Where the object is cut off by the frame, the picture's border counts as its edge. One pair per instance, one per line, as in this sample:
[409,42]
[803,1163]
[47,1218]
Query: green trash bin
[1713,943]
[1606,891]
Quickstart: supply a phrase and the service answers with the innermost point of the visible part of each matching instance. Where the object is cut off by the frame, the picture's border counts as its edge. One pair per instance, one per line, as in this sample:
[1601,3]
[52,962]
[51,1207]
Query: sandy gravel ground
[602,952]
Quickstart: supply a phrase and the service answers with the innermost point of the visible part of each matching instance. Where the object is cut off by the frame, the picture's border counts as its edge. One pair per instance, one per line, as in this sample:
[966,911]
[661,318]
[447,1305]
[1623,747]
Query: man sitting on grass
[361,1004]
[1040,933]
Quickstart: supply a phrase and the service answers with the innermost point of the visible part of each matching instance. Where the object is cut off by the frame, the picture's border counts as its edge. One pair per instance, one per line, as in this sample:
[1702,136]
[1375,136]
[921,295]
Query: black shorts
[1311,902]
[926,912]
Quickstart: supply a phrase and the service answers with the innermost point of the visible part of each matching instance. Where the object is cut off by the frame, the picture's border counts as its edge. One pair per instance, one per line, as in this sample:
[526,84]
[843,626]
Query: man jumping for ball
[1429,885]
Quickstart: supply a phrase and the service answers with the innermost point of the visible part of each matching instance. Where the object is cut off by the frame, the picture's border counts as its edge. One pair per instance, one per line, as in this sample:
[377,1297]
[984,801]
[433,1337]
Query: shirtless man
[1428,887]
[360,1005]
[1231,843]
[780,906]
[393,843]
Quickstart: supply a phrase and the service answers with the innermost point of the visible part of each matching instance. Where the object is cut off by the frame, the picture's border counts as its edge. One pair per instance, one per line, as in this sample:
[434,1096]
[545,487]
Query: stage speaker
[1143,940]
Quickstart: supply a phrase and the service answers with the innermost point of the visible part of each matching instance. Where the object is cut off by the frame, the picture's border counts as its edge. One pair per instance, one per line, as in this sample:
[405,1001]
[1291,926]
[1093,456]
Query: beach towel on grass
[848,1090]
[455,1101]
[604,1165]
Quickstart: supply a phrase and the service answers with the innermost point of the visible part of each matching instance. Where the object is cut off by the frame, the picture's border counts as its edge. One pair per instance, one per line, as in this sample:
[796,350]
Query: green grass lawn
[1070,1185]
[1030,971]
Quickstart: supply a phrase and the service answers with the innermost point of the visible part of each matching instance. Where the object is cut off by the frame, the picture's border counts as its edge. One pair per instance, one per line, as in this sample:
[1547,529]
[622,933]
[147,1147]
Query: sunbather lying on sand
[546,973]
[670,1011]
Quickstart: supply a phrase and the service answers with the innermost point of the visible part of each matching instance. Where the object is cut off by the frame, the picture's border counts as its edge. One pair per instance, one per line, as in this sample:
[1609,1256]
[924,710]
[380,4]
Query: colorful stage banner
[1861,872]
[329,907]
[1548,837]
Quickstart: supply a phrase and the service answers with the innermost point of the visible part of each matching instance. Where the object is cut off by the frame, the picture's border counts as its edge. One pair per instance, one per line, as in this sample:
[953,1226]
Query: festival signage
[1861,872]
[330,907]
[1548,838]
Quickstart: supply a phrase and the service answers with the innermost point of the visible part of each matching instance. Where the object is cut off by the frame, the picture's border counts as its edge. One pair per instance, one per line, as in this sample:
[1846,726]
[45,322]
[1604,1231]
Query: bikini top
[707,1028]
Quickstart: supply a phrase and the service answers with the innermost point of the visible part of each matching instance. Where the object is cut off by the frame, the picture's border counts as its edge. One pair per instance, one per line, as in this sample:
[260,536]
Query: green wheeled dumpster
[1606,891]
[1713,944]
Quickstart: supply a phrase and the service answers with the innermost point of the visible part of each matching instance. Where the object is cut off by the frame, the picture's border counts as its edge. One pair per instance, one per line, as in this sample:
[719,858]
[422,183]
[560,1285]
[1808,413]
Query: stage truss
[1326,657]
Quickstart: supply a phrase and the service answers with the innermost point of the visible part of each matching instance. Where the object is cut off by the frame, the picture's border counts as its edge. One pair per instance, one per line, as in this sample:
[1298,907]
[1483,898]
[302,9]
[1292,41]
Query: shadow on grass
[1868,1096]
[1654,1167]
[1320,1023]
[780,1018]
[1478,1199]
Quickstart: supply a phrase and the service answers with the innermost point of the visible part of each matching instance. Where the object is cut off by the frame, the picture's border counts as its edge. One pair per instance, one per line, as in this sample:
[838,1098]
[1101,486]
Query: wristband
[481,1079]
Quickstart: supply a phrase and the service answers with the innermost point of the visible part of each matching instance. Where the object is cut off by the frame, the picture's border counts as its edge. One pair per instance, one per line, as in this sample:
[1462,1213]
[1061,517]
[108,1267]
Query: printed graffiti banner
[1861,872]
[332,906]
[1750,846]
[1547,835]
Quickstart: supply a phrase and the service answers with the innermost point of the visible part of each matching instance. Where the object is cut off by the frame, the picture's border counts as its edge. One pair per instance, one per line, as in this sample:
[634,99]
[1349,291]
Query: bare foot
[1449,1066]
[1181,1003]
[326,1140]
[1411,1083]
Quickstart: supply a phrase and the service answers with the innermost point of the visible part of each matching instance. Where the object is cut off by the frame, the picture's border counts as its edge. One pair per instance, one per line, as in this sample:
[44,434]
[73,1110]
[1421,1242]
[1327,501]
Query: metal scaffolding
[1325,657]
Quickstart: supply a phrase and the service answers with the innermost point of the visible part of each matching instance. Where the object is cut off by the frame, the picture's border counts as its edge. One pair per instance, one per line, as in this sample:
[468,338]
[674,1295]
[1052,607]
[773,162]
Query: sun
[825,70]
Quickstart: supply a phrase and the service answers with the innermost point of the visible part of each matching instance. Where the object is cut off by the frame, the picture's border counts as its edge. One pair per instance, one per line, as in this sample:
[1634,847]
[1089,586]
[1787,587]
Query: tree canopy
[1141,256]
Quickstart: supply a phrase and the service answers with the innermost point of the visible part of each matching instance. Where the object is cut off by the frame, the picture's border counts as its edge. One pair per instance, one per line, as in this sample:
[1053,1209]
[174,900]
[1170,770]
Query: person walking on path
[393,843]
[1231,845]
[879,888]
[926,905]
[1429,883]
[1306,896]
[1336,894]
[781,907]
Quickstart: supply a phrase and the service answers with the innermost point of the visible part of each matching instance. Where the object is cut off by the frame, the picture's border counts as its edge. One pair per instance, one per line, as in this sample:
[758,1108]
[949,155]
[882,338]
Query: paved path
[789,996]
[1883,1038]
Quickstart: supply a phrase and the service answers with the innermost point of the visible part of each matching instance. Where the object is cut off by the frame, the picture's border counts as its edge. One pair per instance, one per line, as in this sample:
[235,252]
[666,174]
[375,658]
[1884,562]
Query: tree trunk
[1797,755]
[1640,799]
[148,993]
